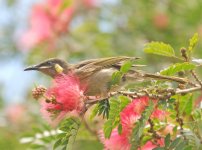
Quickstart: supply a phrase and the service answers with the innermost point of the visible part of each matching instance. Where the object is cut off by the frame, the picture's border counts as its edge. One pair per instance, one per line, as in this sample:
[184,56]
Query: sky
[13,80]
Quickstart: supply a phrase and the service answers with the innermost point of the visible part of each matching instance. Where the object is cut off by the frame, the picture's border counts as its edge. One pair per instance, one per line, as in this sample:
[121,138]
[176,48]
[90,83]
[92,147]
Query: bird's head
[50,67]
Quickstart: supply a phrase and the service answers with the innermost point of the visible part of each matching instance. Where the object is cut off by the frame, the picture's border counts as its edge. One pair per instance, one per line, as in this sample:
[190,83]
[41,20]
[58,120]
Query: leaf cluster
[117,105]
[66,138]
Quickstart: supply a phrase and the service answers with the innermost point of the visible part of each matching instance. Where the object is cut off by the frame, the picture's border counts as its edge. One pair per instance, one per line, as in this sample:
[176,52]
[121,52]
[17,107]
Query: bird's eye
[49,63]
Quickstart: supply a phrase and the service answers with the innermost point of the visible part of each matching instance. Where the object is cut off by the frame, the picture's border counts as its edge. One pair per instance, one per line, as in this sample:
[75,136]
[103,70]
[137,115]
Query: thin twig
[151,130]
[196,77]
[189,90]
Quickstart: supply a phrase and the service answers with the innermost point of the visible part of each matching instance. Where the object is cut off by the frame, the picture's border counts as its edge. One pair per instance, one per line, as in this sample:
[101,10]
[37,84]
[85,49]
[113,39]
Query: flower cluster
[129,116]
[47,21]
[65,97]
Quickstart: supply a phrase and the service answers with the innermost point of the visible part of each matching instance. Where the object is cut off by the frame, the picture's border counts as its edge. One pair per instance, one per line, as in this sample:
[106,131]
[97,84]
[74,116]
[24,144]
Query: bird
[97,73]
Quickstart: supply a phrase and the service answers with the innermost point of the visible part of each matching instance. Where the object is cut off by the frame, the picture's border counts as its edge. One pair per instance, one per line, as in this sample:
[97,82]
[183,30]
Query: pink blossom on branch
[116,141]
[128,117]
[65,97]
[149,145]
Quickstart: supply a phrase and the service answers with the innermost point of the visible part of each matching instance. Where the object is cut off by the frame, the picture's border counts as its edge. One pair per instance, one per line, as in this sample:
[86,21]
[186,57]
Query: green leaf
[126,66]
[94,111]
[57,144]
[140,125]
[47,139]
[177,68]
[65,4]
[167,140]
[193,41]
[37,130]
[159,48]
[46,127]
[71,126]
[64,148]
[61,135]
[188,105]
[197,114]
[181,145]
[124,101]
[116,78]
[119,129]
[175,143]
[103,108]
[116,106]
[107,129]
[188,147]
[36,146]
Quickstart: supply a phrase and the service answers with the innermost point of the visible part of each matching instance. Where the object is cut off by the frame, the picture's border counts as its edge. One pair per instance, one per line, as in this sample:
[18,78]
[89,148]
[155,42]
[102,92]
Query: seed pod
[38,92]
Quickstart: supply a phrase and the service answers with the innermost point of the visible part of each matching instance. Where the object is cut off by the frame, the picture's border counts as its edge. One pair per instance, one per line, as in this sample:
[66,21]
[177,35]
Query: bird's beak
[35,67]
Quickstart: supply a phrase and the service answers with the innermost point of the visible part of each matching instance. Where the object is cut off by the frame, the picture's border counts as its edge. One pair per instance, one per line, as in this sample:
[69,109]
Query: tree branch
[189,90]
[167,94]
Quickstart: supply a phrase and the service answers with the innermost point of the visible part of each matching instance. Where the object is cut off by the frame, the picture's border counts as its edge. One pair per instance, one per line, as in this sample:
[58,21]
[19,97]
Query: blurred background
[74,30]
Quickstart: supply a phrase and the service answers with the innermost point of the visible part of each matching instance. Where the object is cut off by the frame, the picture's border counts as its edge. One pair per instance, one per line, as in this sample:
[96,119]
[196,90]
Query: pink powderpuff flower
[40,28]
[65,97]
[198,101]
[16,114]
[159,114]
[161,20]
[47,22]
[116,141]
[149,145]
[90,3]
[128,117]
[131,114]
[62,23]
[167,130]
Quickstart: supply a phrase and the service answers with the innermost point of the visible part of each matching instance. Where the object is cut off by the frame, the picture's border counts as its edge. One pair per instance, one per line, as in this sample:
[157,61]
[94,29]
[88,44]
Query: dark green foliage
[102,108]
[116,105]
[176,144]
[66,139]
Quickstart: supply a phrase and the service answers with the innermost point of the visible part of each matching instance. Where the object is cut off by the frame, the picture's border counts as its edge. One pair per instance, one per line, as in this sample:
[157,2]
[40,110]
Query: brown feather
[86,68]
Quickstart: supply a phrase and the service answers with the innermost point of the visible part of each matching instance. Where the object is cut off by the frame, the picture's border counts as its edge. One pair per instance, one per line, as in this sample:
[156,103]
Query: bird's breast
[98,83]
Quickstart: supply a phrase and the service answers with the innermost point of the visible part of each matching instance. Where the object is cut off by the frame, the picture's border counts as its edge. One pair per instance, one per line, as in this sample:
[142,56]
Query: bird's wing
[83,63]
[134,66]
[89,67]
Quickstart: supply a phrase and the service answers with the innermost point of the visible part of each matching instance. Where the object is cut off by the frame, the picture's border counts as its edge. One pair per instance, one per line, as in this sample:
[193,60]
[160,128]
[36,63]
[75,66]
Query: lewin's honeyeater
[97,73]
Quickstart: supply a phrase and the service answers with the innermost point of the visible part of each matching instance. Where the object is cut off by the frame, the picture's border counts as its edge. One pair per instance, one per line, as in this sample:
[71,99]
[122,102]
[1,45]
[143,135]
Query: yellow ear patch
[58,68]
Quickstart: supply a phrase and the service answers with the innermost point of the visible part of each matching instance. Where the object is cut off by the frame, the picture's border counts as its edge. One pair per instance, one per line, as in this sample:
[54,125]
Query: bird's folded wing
[89,67]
